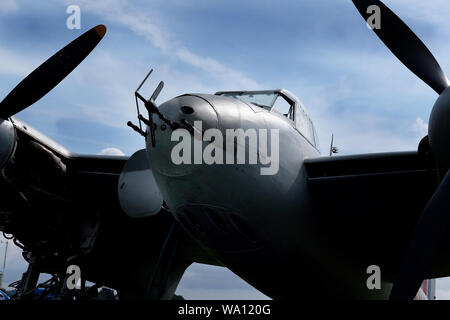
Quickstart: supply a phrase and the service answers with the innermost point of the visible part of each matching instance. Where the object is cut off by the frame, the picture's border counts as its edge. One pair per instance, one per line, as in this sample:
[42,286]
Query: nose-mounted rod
[152,109]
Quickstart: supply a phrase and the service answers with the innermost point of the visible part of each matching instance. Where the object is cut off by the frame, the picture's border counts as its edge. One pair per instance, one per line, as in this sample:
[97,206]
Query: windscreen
[263,100]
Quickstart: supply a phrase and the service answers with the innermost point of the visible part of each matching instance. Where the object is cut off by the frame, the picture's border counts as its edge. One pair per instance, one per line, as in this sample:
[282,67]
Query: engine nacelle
[139,195]
[7,141]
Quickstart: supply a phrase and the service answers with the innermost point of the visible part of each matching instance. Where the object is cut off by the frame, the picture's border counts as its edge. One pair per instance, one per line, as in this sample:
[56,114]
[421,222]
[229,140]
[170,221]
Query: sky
[320,50]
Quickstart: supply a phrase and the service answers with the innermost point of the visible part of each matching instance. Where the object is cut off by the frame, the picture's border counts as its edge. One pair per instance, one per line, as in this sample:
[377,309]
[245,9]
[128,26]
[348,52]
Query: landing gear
[55,288]
[27,285]
[161,267]
[161,280]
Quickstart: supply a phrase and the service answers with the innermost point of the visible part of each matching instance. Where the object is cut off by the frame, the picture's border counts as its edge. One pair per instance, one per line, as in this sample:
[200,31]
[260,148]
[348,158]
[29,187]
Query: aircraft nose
[184,112]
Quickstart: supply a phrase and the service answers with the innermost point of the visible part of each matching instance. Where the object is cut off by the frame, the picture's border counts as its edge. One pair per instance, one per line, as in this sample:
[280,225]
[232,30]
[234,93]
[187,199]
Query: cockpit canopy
[283,102]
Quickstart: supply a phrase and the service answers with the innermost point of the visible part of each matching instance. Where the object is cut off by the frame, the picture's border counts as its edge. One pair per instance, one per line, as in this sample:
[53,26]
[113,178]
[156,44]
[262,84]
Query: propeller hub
[439,129]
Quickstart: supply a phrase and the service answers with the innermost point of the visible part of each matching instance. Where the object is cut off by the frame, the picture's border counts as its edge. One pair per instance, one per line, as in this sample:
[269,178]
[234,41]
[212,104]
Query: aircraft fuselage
[260,226]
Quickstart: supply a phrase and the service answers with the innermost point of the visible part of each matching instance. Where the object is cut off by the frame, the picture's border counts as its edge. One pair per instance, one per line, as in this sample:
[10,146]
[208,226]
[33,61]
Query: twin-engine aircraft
[233,179]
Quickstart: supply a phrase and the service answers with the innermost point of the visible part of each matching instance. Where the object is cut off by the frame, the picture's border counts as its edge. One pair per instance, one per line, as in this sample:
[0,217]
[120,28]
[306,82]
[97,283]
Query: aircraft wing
[366,206]
[62,203]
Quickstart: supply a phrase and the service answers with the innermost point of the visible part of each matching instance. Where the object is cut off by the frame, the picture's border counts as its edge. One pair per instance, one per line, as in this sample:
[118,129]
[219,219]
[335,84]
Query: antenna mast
[333,149]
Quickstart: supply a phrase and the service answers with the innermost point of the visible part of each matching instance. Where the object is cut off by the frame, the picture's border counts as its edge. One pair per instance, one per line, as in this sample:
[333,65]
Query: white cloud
[16,63]
[420,127]
[217,69]
[442,294]
[146,25]
[114,104]
[8,6]
[365,127]
[122,13]
[112,152]
[433,12]
[215,283]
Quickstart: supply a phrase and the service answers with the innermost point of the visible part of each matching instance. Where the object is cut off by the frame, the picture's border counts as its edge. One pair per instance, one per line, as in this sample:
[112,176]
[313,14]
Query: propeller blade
[47,76]
[405,45]
[426,240]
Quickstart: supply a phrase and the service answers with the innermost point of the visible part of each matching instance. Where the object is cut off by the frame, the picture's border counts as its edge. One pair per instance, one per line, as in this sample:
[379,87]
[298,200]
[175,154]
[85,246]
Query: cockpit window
[305,126]
[263,100]
[282,106]
[277,101]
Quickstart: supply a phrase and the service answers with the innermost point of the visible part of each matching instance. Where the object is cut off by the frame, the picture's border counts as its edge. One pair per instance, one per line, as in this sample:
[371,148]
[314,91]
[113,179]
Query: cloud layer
[111,152]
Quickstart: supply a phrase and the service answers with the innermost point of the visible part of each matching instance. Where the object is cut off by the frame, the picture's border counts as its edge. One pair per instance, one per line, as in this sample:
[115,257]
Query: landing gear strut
[27,285]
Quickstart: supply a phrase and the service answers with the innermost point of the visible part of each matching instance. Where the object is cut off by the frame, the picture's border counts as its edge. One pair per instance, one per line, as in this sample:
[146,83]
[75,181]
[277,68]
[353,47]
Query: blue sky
[320,50]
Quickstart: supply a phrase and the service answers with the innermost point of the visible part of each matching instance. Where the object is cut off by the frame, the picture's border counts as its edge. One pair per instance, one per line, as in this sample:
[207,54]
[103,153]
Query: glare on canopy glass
[263,100]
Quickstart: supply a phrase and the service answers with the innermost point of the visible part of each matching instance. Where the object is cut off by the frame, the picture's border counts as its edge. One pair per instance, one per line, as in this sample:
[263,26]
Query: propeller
[405,45]
[433,223]
[49,74]
[426,240]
